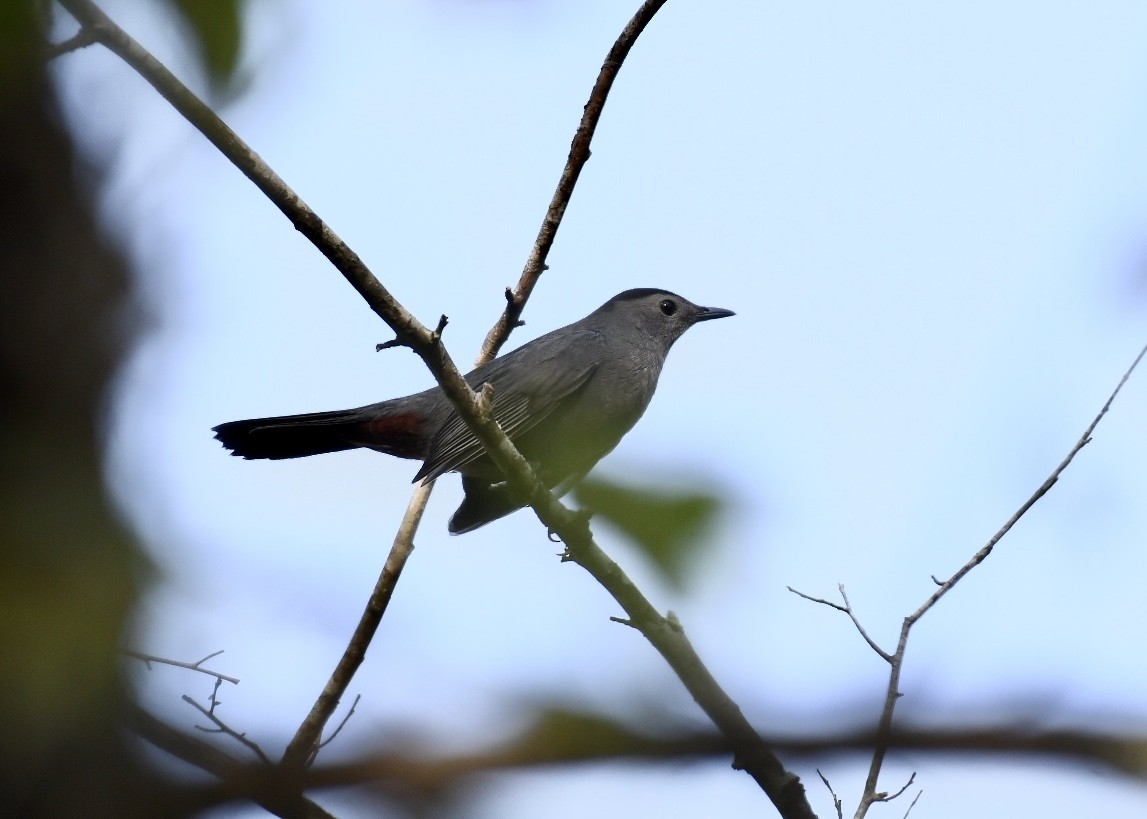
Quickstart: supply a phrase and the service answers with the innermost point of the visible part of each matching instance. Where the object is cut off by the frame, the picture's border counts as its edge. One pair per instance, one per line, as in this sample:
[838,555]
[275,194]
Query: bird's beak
[708,313]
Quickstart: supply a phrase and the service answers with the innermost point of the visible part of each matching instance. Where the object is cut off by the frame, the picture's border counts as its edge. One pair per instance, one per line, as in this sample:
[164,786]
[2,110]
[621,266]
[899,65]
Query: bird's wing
[529,384]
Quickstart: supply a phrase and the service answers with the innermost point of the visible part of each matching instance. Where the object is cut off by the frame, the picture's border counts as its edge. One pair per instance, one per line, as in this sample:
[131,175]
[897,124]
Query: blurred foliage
[216,32]
[69,571]
[670,527]
[19,41]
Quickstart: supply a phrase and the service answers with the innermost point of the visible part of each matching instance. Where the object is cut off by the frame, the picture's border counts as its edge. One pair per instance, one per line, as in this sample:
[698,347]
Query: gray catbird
[565,400]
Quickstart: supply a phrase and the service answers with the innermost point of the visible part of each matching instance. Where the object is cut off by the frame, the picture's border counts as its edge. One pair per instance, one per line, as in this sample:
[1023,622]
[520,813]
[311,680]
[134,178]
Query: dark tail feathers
[290,436]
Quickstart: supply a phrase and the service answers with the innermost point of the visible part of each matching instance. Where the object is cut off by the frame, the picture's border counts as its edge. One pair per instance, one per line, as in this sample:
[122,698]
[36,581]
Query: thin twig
[919,793]
[578,156]
[223,728]
[195,666]
[892,694]
[338,728]
[847,609]
[214,698]
[836,803]
[888,798]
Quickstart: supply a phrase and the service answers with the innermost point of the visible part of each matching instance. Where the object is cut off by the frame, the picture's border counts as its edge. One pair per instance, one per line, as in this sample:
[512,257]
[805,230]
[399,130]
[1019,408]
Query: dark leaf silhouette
[216,31]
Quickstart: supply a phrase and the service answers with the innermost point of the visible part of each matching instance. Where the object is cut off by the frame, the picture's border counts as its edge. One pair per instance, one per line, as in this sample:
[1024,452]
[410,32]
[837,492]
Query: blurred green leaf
[669,526]
[20,43]
[216,29]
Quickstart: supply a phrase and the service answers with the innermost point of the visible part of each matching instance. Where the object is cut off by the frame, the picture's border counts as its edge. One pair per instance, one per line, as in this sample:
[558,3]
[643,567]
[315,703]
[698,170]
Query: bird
[565,400]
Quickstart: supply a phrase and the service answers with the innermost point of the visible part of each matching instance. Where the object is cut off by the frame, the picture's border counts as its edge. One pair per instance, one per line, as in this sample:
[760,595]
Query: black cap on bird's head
[661,313]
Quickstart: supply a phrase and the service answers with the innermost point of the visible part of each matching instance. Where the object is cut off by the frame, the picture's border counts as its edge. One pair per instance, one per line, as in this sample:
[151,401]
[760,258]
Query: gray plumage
[565,400]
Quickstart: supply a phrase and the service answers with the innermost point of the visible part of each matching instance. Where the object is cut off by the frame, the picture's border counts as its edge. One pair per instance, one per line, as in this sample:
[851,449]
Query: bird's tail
[290,436]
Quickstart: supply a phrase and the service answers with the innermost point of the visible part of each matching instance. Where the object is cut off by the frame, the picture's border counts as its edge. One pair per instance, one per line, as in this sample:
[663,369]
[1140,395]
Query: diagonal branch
[309,731]
[884,730]
[427,344]
[223,728]
[304,744]
[750,752]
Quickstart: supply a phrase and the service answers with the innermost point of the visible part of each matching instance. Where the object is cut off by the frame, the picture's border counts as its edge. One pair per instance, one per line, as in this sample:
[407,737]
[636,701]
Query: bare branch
[919,793]
[750,752]
[408,331]
[820,600]
[578,156]
[223,728]
[304,745]
[239,780]
[836,803]
[847,609]
[852,616]
[338,728]
[148,659]
[983,553]
[884,731]
[886,798]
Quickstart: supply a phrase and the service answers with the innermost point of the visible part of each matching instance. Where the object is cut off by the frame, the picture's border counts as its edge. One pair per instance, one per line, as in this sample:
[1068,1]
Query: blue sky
[932,223]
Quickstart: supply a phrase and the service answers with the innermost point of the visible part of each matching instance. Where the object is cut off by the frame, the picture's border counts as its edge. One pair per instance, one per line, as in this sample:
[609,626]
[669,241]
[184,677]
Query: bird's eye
[668,307]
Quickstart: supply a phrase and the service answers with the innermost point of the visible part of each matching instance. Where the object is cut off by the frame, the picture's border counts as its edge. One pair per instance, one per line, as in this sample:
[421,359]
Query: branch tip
[919,793]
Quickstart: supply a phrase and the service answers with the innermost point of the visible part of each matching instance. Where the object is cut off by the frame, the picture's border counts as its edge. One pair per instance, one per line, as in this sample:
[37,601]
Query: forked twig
[884,729]
[148,659]
[847,609]
[223,728]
